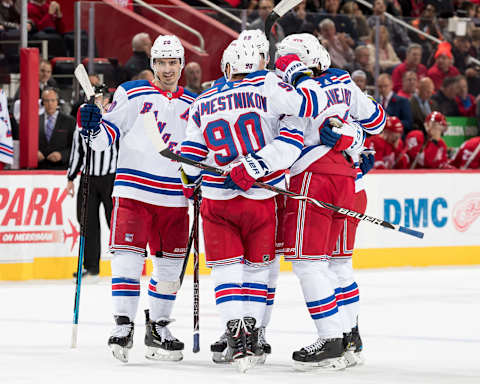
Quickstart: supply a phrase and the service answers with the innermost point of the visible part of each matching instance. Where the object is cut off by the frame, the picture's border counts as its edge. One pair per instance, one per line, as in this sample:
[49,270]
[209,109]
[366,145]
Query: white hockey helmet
[226,54]
[242,57]
[308,49]
[257,37]
[167,47]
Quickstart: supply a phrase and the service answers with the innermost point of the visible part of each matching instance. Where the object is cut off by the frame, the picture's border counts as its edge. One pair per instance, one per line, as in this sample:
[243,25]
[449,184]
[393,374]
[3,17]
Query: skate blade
[160,354]
[220,358]
[328,365]
[260,360]
[359,358]
[119,352]
[350,358]
[244,363]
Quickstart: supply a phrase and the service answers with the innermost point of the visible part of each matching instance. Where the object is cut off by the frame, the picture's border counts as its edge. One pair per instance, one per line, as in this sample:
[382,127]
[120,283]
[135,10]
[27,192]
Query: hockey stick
[280,9]
[82,77]
[151,128]
[196,280]
[472,156]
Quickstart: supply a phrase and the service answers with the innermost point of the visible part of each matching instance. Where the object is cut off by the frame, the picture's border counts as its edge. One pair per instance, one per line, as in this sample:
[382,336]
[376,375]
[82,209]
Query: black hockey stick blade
[156,139]
[280,9]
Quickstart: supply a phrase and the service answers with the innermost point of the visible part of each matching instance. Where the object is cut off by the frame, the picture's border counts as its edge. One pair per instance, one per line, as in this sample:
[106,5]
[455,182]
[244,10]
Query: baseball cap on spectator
[393,124]
[444,48]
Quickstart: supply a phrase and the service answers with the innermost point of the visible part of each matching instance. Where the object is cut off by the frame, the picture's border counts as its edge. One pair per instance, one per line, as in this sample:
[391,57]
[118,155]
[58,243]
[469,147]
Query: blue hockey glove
[367,163]
[337,134]
[89,119]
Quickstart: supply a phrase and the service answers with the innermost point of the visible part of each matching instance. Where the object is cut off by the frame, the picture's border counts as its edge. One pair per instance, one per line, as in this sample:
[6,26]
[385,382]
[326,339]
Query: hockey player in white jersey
[220,350]
[149,206]
[6,142]
[323,173]
[237,127]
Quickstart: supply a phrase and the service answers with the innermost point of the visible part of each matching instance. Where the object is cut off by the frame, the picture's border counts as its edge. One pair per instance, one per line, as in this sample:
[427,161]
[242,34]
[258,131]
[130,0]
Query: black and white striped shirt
[101,163]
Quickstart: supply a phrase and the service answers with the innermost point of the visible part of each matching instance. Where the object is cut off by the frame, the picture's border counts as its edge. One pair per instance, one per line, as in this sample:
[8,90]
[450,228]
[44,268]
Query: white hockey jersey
[6,142]
[339,97]
[142,173]
[233,119]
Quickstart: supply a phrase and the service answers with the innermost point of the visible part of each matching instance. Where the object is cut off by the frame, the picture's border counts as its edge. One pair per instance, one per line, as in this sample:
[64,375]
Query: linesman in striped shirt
[103,165]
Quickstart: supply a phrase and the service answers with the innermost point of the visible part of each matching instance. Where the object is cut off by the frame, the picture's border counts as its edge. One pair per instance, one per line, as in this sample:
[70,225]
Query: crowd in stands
[416,75]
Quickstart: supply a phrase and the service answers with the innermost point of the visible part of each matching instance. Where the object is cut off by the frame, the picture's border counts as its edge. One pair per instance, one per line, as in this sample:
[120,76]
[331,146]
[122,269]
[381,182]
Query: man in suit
[55,134]
[393,104]
[421,103]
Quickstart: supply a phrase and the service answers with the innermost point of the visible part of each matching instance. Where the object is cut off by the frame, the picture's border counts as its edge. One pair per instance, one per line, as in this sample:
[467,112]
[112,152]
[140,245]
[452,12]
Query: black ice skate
[221,353]
[121,339]
[264,345]
[349,355]
[253,347]
[325,354]
[237,342]
[160,343]
[357,346]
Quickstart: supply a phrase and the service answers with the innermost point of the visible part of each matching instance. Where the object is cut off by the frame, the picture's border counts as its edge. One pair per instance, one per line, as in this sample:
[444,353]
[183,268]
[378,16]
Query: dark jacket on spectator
[342,24]
[61,141]
[419,113]
[9,17]
[136,64]
[400,107]
[445,105]
[291,23]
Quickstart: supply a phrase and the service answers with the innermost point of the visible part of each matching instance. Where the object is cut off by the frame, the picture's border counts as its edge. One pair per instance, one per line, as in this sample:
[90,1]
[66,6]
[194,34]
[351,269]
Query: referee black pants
[100,191]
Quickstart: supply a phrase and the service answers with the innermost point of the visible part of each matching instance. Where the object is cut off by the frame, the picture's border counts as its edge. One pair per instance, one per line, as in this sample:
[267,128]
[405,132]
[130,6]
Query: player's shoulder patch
[135,84]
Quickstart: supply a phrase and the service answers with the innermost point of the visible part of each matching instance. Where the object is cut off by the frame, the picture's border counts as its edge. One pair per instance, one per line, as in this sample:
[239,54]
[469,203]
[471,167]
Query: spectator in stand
[265,7]
[469,149]
[362,62]
[428,151]
[412,63]
[193,77]
[359,21]
[409,85]
[343,24]
[296,20]
[388,146]
[55,134]
[460,52]
[445,98]
[360,78]
[465,101]
[388,59]
[336,44]
[475,44]
[398,34]
[45,79]
[393,104]
[421,103]
[427,23]
[443,66]
[140,59]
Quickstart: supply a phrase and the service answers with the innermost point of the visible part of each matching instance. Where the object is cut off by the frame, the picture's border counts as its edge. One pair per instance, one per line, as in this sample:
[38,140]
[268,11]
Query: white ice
[418,326]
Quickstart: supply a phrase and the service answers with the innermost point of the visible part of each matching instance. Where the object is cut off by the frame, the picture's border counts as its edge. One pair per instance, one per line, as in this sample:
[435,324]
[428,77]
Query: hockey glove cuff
[244,173]
[290,69]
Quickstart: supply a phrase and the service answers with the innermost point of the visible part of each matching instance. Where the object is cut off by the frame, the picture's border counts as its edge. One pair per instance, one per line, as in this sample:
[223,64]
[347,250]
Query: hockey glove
[244,173]
[188,186]
[367,163]
[89,120]
[337,134]
[290,69]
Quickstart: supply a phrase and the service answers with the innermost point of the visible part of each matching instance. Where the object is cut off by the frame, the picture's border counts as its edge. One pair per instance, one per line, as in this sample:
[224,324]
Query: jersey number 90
[245,137]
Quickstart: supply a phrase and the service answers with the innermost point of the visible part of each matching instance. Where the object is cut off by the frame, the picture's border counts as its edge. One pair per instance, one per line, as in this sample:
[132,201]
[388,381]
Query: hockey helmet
[243,57]
[167,47]
[257,37]
[393,124]
[436,117]
[308,48]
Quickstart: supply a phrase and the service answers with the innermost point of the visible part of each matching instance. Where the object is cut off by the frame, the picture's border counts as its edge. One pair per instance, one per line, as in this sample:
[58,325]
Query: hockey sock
[254,290]
[227,280]
[163,286]
[272,285]
[351,304]
[126,271]
[320,297]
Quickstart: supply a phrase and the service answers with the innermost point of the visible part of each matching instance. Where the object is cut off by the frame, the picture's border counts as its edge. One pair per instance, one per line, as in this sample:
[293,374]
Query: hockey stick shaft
[190,242]
[472,156]
[280,9]
[196,280]
[82,77]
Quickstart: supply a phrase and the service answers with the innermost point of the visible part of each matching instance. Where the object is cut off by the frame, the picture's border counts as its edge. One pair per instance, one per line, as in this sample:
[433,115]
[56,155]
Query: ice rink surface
[418,325]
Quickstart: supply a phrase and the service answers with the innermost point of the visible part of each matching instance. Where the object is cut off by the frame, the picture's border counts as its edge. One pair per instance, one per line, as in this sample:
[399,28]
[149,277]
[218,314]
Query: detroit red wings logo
[466,212]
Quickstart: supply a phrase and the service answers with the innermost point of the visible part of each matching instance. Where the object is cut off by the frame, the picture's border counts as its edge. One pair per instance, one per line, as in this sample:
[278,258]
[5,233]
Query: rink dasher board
[39,229]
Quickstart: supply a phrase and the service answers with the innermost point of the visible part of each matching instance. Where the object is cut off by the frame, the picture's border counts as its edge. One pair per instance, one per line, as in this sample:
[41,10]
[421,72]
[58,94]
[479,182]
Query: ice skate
[221,353]
[121,339]
[253,347]
[357,346]
[237,342]
[160,343]
[262,342]
[324,354]
[349,354]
